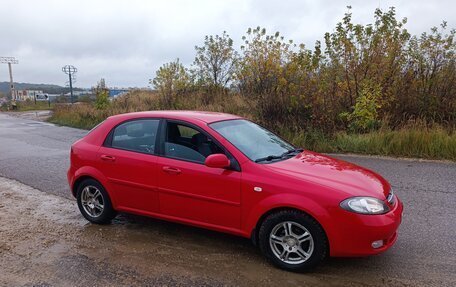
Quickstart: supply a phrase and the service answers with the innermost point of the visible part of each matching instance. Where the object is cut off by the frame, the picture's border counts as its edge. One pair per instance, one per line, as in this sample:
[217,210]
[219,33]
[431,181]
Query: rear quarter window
[137,135]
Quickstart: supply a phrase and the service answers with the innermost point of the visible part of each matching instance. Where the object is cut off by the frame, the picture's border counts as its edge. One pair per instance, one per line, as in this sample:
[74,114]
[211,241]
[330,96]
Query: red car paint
[228,200]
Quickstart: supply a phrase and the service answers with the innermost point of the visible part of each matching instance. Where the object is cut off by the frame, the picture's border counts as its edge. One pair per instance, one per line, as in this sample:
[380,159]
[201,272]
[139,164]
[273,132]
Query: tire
[306,244]
[98,207]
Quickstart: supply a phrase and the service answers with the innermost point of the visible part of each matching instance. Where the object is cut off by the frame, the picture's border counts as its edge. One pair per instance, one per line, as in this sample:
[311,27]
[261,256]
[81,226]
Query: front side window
[137,135]
[187,143]
[257,143]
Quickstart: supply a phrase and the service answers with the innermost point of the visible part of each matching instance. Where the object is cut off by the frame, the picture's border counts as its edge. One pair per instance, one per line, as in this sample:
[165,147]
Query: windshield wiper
[272,157]
[269,158]
[291,151]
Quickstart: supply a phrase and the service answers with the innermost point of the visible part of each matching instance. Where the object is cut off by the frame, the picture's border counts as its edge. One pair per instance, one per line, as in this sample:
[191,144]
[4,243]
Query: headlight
[365,205]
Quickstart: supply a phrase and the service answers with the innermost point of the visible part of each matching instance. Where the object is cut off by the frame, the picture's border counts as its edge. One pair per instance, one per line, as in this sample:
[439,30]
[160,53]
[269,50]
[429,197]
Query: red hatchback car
[225,173]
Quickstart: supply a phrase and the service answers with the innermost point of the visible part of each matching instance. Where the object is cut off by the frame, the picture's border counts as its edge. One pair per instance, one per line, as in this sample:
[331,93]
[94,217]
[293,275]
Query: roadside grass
[30,106]
[412,142]
[416,140]
[431,143]
[86,116]
[81,116]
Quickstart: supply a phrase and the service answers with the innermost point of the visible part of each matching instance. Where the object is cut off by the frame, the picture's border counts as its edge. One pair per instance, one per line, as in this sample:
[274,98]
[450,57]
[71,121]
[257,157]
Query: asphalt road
[36,154]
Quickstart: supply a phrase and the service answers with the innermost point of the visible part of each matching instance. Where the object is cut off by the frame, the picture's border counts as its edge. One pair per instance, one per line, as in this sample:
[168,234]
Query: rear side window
[137,135]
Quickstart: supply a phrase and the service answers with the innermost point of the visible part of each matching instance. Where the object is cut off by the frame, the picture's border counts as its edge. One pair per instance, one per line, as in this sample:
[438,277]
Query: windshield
[254,141]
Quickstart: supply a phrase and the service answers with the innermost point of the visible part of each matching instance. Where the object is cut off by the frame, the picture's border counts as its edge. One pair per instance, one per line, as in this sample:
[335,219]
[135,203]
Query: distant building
[23,95]
[79,93]
[114,93]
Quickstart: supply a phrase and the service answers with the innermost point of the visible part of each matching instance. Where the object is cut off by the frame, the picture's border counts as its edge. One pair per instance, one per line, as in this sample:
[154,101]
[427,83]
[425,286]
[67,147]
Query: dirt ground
[39,115]
[44,241]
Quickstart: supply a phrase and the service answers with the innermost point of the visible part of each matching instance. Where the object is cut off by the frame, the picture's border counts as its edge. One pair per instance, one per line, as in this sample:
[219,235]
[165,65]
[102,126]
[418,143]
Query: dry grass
[415,140]
[86,116]
[431,143]
[30,106]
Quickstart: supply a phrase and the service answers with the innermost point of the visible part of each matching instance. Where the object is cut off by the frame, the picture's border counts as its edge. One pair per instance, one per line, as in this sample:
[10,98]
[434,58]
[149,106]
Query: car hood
[333,173]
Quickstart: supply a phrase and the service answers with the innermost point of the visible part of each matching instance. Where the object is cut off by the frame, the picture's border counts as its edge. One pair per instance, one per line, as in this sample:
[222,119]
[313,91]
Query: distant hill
[46,88]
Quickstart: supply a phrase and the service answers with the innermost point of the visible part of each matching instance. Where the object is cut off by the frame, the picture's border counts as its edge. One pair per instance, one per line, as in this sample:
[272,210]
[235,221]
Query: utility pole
[70,71]
[10,61]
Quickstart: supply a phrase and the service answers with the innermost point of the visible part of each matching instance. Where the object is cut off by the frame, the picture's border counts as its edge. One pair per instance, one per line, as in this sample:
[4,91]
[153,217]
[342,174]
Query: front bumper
[355,233]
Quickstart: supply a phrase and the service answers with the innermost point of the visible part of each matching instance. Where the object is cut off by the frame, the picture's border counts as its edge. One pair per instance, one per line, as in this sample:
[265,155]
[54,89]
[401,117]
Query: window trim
[234,163]
[109,137]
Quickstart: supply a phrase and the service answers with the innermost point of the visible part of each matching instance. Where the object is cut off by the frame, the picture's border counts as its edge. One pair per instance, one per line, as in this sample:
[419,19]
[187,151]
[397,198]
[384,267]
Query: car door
[190,190]
[129,162]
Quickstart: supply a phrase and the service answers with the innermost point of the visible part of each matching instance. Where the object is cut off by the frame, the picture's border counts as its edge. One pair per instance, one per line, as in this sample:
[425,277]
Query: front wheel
[94,202]
[293,241]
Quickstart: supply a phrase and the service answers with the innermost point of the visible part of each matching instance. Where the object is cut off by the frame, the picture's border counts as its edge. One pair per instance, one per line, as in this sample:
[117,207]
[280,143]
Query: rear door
[129,162]
[190,190]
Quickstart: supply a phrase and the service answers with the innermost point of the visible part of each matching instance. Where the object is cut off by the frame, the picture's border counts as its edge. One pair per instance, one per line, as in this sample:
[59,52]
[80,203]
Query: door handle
[107,157]
[171,170]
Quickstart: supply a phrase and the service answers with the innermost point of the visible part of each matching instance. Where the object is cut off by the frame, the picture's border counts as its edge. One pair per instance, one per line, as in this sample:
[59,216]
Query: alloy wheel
[92,201]
[291,242]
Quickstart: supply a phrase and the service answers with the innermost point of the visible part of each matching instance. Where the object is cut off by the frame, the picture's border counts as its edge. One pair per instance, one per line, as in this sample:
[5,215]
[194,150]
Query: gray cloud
[126,41]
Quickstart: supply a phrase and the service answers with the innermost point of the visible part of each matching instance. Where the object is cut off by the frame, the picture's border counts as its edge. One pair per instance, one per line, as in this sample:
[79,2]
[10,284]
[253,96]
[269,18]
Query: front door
[190,190]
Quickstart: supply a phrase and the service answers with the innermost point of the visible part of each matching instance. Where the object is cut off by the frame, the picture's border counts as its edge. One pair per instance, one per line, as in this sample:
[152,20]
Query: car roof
[207,117]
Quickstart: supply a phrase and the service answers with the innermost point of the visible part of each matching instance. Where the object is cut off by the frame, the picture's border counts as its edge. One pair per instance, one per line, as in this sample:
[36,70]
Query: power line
[70,71]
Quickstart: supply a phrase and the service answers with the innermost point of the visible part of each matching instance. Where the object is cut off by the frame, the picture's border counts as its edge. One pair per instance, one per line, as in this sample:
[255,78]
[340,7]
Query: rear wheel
[293,240]
[94,202]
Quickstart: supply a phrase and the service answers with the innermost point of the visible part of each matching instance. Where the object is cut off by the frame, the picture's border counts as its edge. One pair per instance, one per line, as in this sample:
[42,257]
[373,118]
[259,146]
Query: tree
[263,62]
[360,77]
[268,73]
[374,51]
[102,95]
[431,70]
[101,84]
[215,61]
[171,79]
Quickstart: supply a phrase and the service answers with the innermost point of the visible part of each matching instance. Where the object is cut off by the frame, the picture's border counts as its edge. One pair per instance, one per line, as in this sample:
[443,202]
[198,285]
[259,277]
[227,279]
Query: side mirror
[218,160]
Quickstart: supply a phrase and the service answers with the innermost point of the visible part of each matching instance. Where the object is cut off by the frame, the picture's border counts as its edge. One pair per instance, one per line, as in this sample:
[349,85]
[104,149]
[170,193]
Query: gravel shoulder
[44,241]
[38,115]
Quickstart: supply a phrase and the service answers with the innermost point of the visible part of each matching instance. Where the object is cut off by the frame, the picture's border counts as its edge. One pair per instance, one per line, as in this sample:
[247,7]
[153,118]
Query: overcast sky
[126,41]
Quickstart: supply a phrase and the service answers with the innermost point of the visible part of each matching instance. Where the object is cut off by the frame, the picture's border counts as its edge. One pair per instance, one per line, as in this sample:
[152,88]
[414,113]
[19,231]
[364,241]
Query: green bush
[102,100]
[365,113]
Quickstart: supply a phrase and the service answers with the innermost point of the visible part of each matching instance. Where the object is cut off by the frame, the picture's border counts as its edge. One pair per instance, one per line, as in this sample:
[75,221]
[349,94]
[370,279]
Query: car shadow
[210,243]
